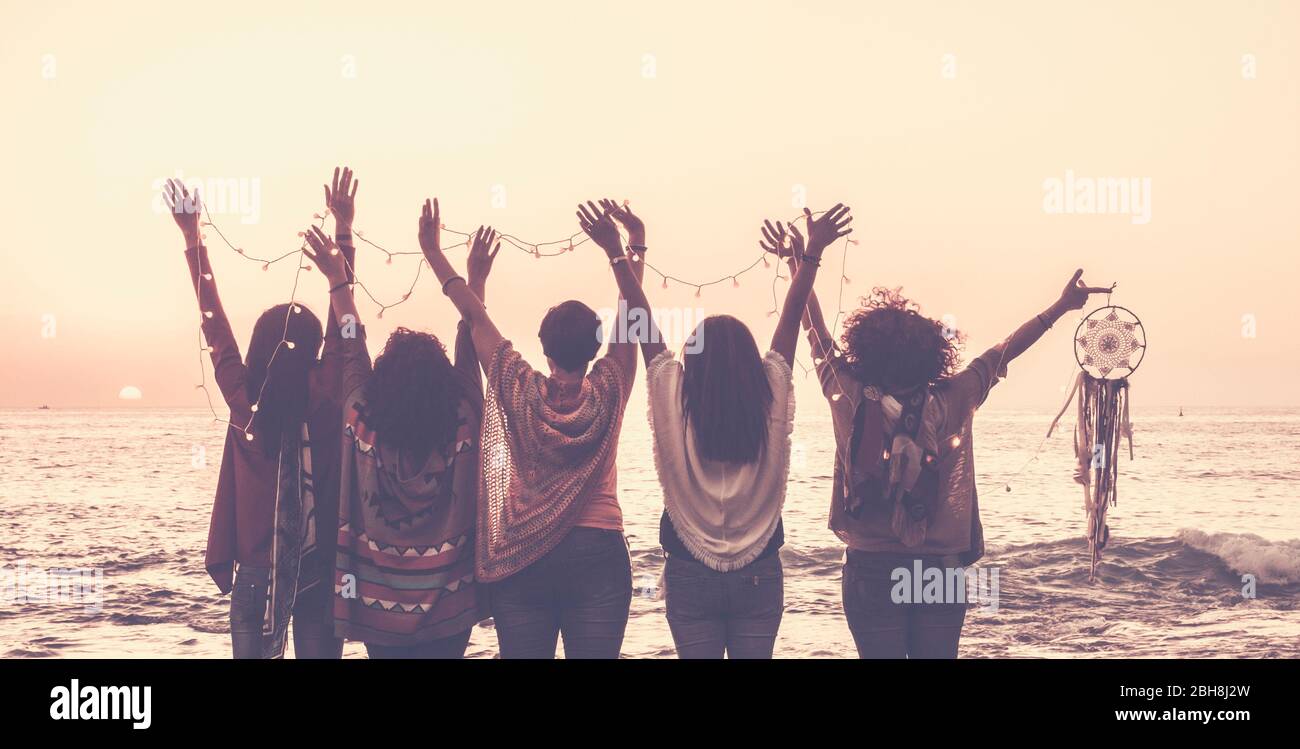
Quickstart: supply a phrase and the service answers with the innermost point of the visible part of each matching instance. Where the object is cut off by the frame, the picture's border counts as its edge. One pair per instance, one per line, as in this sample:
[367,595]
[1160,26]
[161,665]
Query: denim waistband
[857,557]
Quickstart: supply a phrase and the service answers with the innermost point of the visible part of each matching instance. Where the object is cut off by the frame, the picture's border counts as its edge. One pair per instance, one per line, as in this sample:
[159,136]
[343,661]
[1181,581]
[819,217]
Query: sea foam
[1248,554]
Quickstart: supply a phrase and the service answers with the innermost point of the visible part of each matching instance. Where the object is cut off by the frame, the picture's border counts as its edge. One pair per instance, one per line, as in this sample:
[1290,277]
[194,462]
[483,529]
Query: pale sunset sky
[939,123]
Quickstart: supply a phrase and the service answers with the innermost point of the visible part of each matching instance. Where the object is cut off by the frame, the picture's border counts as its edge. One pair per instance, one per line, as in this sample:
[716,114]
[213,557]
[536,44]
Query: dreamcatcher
[1109,345]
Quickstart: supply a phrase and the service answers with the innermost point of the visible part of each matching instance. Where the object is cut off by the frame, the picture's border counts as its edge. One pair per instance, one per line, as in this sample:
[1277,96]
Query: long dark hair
[889,343]
[413,394]
[725,392]
[277,374]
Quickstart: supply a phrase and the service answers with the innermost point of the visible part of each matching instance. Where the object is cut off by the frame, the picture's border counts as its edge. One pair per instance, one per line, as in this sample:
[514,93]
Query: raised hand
[825,229]
[186,209]
[326,255]
[483,249]
[630,222]
[600,227]
[775,241]
[340,199]
[431,230]
[1076,292]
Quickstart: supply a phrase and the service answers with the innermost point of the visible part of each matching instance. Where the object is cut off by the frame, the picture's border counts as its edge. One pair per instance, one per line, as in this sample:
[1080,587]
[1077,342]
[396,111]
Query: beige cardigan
[724,513]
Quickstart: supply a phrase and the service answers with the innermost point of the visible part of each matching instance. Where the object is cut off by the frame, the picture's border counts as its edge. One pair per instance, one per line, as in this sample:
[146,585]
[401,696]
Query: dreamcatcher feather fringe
[1103,421]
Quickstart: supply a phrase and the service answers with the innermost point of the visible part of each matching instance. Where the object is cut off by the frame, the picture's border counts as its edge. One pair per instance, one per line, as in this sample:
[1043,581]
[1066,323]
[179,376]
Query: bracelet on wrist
[340,285]
[447,283]
[638,248]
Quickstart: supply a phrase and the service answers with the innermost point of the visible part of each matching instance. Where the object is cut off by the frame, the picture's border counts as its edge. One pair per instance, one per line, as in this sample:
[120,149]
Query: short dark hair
[571,335]
[888,343]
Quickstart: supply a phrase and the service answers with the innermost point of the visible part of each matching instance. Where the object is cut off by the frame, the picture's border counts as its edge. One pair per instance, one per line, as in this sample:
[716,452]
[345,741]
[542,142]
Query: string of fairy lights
[539,250]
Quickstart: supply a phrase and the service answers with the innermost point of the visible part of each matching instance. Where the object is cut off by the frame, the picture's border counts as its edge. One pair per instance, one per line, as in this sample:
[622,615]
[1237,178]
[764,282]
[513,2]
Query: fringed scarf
[537,462]
[294,539]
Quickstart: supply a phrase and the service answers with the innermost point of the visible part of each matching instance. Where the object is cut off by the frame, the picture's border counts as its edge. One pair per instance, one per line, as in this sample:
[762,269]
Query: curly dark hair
[888,343]
[413,393]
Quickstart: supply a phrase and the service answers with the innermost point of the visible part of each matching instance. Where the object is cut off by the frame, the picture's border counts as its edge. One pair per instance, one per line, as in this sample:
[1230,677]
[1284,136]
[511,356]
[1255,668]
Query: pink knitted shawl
[538,462]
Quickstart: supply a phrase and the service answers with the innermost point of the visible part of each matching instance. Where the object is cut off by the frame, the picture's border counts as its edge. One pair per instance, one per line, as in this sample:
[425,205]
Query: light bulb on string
[290,344]
[568,244]
[253,408]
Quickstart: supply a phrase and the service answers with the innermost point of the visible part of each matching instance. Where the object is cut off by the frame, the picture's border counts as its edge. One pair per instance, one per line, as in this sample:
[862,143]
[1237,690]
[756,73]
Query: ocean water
[1210,497]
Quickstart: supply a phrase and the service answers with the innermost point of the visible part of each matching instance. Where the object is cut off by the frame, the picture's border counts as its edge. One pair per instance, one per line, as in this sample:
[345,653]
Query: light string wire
[536,249]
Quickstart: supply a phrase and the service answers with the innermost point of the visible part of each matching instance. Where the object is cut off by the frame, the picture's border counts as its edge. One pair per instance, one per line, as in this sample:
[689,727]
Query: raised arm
[354,364]
[340,198]
[620,347]
[227,363]
[790,247]
[598,224]
[484,332]
[822,232]
[1074,296]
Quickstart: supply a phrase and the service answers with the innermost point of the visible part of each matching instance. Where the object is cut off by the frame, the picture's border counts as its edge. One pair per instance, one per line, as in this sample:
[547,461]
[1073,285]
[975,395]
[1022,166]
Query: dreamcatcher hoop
[1110,343]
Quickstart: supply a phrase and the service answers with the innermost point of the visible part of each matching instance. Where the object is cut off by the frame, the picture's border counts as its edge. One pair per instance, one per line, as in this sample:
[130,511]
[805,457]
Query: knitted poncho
[538,462]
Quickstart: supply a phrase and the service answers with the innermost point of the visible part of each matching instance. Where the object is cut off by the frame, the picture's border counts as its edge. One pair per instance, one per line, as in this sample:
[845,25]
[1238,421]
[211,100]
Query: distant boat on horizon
[43,408]
[1180,410]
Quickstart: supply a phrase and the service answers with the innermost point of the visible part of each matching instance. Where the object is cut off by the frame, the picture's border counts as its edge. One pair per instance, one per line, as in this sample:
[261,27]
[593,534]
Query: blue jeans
[313,632]
[882,628]
[581,589]
[711,613]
